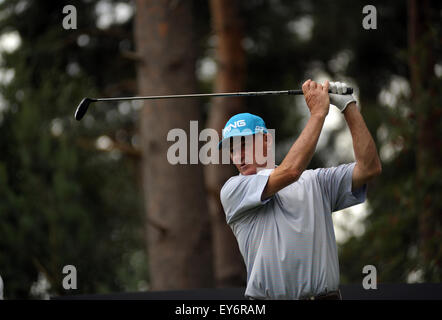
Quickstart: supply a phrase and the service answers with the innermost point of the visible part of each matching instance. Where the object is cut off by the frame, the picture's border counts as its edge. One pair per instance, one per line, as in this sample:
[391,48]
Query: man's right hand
[317,98]
[301,152]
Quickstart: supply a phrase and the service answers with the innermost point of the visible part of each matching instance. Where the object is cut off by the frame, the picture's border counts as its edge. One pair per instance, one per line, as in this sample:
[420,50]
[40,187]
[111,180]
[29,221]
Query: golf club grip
[296,92]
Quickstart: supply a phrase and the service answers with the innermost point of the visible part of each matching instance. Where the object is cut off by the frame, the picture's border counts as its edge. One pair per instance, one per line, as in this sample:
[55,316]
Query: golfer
[281,215]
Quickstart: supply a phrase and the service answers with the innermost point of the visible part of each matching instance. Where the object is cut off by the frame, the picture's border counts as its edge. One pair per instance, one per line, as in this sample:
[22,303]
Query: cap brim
[223,143]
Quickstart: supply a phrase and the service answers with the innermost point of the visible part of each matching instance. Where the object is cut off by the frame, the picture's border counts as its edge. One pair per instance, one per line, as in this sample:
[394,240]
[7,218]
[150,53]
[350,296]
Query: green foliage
[63,201]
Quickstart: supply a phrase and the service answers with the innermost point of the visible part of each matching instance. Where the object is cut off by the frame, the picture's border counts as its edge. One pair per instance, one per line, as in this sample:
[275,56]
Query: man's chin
[247,169]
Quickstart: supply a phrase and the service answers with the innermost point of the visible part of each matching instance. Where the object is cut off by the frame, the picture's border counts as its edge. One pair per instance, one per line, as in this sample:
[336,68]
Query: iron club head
[82,108]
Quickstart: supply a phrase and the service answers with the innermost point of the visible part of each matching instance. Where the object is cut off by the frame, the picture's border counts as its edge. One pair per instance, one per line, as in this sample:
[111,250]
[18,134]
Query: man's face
[247,152]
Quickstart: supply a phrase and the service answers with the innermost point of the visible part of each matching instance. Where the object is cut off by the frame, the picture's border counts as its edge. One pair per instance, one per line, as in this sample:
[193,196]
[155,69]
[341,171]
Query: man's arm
[301,152]
[368,164]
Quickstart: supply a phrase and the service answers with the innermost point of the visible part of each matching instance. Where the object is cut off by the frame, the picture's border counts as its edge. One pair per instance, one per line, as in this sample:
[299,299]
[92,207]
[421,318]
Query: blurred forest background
[99,194]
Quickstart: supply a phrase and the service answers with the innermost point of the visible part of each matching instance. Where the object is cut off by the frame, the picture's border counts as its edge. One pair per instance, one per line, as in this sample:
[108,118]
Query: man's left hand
[338,96]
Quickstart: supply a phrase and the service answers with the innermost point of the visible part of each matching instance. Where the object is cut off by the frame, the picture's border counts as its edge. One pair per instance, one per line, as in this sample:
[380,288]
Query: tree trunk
[178,224]
[226,23]
[422,45]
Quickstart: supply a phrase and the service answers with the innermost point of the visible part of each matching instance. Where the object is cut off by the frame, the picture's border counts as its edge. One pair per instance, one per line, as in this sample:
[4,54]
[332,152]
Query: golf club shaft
[197,95]
[84,104]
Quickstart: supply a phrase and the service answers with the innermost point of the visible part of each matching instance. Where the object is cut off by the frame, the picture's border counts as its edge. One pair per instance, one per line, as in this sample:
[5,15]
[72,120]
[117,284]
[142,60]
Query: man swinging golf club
[281,216]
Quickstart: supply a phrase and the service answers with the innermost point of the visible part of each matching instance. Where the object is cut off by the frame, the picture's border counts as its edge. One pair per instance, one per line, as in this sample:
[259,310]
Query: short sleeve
[240,194]
[336,184]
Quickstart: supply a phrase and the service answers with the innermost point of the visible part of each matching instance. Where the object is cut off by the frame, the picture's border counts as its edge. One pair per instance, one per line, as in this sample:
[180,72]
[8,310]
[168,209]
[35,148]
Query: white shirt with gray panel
[287,241]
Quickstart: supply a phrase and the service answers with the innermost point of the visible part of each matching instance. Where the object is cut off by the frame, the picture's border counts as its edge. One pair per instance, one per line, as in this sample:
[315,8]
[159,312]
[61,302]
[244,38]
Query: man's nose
[237,156]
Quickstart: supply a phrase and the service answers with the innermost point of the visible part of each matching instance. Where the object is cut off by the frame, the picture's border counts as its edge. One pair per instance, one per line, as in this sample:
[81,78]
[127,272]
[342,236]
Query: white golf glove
[338,97]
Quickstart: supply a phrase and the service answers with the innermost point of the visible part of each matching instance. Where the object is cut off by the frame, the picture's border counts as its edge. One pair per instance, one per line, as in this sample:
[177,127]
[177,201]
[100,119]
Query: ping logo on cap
[242,124]
[236,124]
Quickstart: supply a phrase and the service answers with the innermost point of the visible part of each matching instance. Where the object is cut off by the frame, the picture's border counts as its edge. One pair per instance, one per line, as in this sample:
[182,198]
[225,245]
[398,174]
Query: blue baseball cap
[242,124]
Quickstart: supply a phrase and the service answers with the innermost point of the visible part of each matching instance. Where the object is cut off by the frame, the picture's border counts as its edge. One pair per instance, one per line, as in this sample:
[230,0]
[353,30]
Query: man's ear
[268,138]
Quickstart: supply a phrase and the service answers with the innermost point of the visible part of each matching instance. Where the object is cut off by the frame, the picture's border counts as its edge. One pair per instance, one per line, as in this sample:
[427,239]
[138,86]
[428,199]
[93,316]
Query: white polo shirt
[287,241]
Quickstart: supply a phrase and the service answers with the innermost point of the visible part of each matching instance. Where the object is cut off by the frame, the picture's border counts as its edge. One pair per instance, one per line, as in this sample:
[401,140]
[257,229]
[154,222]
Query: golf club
[84,104]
